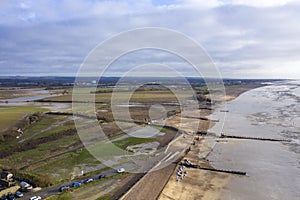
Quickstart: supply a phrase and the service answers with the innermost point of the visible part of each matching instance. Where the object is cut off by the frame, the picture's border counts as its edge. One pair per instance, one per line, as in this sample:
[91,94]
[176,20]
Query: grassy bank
[10,115]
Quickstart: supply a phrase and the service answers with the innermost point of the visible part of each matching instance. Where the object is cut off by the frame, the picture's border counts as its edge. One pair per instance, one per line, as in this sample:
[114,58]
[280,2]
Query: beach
[272,167]
[196,184]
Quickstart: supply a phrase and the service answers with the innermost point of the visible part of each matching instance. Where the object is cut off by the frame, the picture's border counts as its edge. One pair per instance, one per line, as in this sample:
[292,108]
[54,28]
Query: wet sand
[271,172]
[272,167]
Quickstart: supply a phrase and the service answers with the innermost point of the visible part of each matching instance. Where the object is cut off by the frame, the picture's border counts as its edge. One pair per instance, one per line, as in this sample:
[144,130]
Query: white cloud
[203,4]
[31,16]
[243,40]
[267,68]
[260,3]
[24,5]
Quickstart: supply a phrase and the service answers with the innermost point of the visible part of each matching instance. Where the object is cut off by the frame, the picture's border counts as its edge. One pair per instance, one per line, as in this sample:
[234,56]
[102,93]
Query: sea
[273,168]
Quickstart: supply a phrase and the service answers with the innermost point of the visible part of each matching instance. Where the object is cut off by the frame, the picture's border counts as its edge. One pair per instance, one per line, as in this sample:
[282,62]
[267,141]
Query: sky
[244,38]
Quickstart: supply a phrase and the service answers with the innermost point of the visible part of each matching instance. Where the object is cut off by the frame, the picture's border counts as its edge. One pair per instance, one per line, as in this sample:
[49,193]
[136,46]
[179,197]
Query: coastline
[202,184]
[197,184]
[272,166]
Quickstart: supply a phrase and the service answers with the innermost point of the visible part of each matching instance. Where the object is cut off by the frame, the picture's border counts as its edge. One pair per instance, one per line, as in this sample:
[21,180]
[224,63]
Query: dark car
[10,196]
[3,197]
[64,188]
[102,176]
[19,194]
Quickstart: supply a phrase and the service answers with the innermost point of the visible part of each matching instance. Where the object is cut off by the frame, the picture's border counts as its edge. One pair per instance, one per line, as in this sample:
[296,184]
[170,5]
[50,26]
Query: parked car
[121,170]
[19,194]
[76,184]
[10,196]
[88,180]
[102,176]
[3,197]
[35,198]
[25,186]
[64,188]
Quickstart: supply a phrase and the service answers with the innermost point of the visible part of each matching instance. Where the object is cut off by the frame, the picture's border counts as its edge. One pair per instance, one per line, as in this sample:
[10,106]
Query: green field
[9,115]
[51,146]
[130,141]
[41,139]
[68,165]
[139,96]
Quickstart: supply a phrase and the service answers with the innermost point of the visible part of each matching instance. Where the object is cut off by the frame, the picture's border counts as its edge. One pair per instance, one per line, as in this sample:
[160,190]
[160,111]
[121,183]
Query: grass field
[139,96]
[104,149]
[32,131]
[130,141]
[68,166]
[9,115]
[41,139]
[52,146]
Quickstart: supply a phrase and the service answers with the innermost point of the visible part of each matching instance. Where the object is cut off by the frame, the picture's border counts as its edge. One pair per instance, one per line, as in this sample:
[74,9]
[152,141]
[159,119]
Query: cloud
[259,3]
[244,38]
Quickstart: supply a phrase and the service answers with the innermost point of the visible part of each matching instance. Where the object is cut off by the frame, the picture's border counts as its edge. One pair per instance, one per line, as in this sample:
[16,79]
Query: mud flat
[272,166]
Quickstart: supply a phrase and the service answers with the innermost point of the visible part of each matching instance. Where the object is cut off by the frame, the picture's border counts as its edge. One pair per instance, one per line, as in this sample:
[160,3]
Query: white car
[25,185]
[88,180]
[121,170]
[35,198]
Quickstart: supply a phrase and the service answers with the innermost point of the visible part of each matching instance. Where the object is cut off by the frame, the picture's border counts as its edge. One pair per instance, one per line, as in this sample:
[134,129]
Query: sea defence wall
[253,138]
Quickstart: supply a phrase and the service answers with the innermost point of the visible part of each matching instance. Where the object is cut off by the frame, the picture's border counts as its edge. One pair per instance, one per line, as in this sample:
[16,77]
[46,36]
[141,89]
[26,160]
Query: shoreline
[271,165]
[198,184]
[202,184]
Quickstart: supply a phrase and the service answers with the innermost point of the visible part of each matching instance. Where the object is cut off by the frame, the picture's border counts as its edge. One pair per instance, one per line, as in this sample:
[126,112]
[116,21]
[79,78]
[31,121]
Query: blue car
[76,184]
[3,197]
[19,194]
[10,196]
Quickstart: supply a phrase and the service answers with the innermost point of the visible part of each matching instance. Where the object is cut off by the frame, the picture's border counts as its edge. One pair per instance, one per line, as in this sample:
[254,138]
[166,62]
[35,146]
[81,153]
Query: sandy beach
[197,183]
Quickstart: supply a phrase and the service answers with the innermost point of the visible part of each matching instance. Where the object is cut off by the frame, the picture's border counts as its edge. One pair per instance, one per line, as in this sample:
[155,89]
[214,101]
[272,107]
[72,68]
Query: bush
[2,138]
[36,180]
